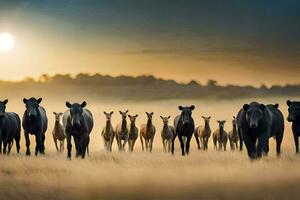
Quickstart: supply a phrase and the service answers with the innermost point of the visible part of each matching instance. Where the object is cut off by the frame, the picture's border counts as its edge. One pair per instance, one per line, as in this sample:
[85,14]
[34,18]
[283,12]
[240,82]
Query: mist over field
[143,175]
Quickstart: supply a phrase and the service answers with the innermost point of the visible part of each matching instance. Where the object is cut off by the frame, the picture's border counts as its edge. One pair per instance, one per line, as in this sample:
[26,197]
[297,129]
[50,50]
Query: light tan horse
[58,132]
[108,132]
[148,132]
[203,133]
[133,132]
[122,131]
[167,134]
[233,135]
[220,136]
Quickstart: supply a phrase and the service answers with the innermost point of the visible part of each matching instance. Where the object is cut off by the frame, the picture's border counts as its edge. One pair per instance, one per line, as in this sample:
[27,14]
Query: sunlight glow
[7,42]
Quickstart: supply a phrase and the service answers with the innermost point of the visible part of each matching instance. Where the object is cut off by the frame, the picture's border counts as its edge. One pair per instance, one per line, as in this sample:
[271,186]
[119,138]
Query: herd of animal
[253,126]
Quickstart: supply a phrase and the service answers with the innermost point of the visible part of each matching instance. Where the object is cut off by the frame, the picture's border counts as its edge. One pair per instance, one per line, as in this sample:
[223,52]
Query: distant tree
[193,83]
[44,78]
[263,87]
[212,83]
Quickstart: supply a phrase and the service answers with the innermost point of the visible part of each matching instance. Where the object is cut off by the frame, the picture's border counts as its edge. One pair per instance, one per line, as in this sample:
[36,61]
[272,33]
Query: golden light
[7,42]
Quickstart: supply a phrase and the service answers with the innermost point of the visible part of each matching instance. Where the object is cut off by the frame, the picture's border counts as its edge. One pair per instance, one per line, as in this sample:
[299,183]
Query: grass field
[157,175]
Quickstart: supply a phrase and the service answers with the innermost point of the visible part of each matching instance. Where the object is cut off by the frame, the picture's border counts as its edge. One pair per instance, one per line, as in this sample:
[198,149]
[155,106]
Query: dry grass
[157,175]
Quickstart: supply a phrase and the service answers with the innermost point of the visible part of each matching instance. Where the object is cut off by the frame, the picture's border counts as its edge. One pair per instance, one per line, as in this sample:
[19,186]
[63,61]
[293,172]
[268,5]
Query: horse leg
[187,144]
[10,146]
[4,146]
[142,143]
[296,139]
[110,144]
[38,141]
[43,144]
[55,142]
[164,145]
[124,144]
[76,147]
[17,140]
[119,143]
[69,145]
[0,143]
[206,143]
[87,146]
[133,143]
[83,144]
[173,140]
[169,145]
[27,143]
[240,139]
[151,144]
[278,143]
[197,140]
[181,145]
[62,145]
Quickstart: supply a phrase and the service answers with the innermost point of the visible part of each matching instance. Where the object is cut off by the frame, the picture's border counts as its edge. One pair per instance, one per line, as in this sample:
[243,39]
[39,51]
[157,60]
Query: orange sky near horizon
[238,44]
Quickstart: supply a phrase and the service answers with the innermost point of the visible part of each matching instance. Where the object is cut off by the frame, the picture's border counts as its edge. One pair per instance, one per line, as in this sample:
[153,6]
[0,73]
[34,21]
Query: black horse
[294,117]
[10,128]
[35,122]
[78,123]
[184,128]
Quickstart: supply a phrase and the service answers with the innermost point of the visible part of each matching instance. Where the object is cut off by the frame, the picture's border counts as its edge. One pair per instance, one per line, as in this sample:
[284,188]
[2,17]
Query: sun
[7,42]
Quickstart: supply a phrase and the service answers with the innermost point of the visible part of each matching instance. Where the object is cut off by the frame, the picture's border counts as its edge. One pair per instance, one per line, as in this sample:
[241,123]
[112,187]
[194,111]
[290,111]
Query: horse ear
[192,107]
[152,113]
[136,115]
[5,101]
[245,107]
[218,121]
[129,116]
[233,117]
[262,106]
[60,113]
[180,107]
[25,100]
[104,112]
[54,113]
[120,112]
[126,111]
[203,117]
[169,117]
[288,102]
[276,105]
[209,117]
[83,104]
[161,117]
[39,100]
[112,112]
[68,104]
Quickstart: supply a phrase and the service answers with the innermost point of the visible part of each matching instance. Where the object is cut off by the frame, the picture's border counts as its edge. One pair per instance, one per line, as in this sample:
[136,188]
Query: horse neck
[221,130]
[234,129]
[132,126]
[2,123]
[206,126]
[124,124]
[108,125]
[57,124]
[149,124]
[165,127]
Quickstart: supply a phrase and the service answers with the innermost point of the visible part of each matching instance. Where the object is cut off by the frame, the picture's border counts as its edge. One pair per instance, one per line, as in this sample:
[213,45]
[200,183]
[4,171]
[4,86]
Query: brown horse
[122,131]
[108,132]
[148,132]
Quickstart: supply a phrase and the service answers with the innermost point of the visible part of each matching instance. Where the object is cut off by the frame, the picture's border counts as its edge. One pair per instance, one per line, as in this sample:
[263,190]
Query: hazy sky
[238,41]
